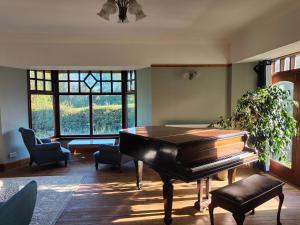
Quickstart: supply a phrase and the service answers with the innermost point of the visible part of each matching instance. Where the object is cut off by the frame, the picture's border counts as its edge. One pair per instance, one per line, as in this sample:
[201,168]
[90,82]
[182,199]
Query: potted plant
[266,114]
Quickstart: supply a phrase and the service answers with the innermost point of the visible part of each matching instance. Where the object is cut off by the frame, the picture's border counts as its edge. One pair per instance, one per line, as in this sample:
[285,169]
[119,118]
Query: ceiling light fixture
[112,6]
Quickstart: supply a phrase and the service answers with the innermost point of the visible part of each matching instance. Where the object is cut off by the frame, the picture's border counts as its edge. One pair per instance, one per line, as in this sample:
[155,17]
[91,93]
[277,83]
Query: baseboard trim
[14,164]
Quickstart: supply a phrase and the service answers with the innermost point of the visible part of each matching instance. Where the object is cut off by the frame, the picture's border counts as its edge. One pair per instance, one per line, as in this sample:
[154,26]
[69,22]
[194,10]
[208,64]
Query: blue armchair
[43,151]
[18,210]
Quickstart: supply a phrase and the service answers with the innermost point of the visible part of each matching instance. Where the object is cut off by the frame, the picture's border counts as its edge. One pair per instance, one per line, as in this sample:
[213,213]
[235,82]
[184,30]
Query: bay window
[81,103]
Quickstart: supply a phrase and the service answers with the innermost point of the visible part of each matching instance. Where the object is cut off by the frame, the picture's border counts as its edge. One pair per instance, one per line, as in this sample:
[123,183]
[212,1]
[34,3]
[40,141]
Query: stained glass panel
[90,81]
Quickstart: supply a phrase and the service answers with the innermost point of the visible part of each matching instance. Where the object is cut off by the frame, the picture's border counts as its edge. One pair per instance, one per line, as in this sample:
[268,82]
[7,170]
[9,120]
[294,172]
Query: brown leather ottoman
[245,195]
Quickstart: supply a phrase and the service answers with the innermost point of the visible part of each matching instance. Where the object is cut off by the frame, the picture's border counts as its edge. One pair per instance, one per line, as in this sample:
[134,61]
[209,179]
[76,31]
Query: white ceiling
[168,21]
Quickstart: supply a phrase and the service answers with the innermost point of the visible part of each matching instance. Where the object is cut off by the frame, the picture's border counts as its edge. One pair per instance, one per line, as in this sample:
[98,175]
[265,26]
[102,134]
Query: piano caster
[168,221]
[200,207]
[139,185]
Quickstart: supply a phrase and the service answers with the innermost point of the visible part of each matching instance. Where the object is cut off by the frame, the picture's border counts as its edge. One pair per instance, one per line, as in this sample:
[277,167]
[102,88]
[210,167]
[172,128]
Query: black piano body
[185,154]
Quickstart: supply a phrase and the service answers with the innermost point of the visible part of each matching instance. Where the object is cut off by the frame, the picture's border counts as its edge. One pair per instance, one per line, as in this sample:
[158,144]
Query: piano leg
[168,198]
[200,204]
[208,187]
[139,173]
[231,175]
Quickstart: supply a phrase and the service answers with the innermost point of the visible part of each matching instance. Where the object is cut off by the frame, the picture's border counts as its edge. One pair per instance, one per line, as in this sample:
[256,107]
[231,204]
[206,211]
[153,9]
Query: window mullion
[91,114]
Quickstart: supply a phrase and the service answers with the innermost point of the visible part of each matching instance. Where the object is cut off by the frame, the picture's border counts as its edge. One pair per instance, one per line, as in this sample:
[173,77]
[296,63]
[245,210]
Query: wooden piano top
[180,135]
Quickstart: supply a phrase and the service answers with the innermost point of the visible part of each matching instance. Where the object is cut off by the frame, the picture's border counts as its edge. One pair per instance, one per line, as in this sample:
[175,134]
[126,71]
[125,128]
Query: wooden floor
[110,197]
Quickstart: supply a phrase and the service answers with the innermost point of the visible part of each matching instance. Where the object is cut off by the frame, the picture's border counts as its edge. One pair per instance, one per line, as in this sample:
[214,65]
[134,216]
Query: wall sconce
[192,74]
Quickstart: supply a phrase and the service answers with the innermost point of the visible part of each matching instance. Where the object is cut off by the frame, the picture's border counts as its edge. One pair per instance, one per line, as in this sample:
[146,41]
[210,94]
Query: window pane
[63,87]
[83,76]
[42,115]
[107,114]
[117,76]
[96,88]
[277,65]
[297,62]
[62,76]
[117,87]
[32,74]
[130,110]
[97,76]
[287,61]
[48,86]
[48,75]
[90,81]
[40,75]
[128,85]
[32,84]
[74,115]
[289,87]
[106,76]
[40,85]
[106,87]
[74,87]
[74,76]
[84,88]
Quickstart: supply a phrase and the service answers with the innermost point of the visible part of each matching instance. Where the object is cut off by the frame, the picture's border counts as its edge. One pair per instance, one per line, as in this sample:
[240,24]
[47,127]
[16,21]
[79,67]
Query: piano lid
[180,135]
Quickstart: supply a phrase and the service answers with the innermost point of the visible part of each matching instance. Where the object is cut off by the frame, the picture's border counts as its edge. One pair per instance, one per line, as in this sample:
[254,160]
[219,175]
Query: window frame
[56,97]
[282,60]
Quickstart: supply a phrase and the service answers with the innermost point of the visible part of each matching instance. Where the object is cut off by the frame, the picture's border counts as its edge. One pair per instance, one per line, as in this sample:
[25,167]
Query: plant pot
[264,166]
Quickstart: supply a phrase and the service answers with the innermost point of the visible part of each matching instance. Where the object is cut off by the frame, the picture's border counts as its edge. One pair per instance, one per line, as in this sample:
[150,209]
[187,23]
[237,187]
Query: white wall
[14,112]
[144,97]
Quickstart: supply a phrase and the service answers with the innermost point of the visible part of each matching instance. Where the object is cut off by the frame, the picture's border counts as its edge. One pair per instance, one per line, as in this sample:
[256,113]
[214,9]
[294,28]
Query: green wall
[243,79]
[165,97]
[14,112]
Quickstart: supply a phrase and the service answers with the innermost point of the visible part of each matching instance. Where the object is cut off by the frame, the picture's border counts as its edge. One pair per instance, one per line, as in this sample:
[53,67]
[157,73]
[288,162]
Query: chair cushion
[245,190]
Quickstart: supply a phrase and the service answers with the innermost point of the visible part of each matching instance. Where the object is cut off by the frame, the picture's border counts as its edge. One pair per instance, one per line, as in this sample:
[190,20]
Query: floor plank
[110,197]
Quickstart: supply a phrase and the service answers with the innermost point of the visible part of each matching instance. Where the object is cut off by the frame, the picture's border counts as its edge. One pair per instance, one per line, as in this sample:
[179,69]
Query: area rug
[54,193]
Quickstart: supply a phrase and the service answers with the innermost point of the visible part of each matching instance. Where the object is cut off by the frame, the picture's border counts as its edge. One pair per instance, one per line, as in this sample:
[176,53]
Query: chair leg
[281,198]
[211,214]
[66,163]
[120,168]
[96,166]
[239,218]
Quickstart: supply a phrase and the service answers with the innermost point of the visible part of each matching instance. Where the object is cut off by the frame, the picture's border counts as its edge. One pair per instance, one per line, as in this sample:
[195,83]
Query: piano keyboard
[222,161]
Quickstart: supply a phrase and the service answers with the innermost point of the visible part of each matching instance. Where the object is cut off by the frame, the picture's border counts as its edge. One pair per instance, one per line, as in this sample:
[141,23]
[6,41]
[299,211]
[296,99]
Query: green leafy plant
[266,114]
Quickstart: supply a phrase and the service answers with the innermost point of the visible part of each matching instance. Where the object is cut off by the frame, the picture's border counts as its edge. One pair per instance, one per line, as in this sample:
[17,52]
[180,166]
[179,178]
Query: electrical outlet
[12,155]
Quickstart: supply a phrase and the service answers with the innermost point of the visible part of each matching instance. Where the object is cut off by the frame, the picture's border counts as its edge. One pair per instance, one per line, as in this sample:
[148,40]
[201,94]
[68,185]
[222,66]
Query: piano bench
[245,195]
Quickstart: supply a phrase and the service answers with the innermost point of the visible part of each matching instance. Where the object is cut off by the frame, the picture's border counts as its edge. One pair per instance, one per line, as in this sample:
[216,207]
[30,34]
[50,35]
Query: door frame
[290,174]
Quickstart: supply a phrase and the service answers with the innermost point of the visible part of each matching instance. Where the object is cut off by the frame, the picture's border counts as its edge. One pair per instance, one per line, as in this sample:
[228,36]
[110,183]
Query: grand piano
[186,154]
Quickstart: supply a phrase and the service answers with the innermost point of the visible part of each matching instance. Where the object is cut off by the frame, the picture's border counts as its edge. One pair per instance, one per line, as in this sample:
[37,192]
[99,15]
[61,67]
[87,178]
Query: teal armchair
[43,151]
[18,210]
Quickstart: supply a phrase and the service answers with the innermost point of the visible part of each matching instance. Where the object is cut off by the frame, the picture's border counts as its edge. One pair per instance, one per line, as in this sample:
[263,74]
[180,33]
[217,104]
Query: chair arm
[55,146]
[46,140]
